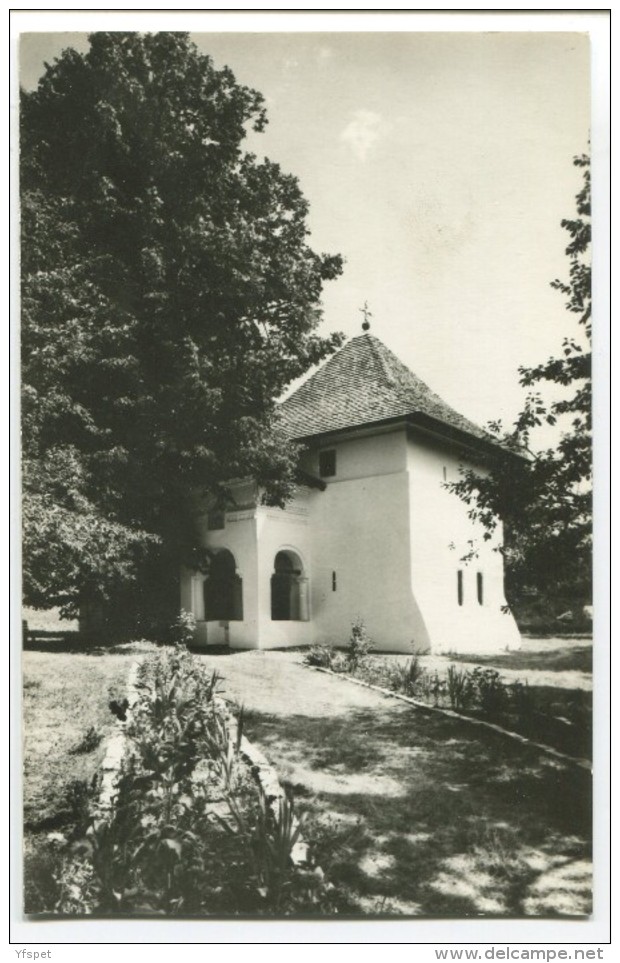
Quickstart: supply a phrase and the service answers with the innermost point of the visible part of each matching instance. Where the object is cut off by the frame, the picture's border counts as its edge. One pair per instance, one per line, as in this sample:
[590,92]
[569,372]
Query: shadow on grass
[56,643]
[569,658]
[412,814]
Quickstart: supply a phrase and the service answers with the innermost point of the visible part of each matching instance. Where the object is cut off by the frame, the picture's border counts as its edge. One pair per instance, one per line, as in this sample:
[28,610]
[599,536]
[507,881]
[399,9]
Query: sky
[439,165]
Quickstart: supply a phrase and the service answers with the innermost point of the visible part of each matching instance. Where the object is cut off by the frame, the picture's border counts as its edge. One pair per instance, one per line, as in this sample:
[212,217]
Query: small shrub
[320,655]
[490,690]
[339,662]
[433,687]
[460,687]
[360,644]
[406,678]
[438,688]
[523,702]
[77,797]
[325,657]
[41,890]
[88,743]
[183,628]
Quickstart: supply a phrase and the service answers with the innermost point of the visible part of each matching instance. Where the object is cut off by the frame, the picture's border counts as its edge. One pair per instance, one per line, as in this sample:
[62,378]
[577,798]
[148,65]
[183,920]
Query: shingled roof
[363,383]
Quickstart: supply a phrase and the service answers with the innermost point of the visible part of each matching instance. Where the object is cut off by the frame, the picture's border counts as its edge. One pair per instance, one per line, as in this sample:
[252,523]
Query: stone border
[573,760]
[267,778]
[261,769]
[116,747]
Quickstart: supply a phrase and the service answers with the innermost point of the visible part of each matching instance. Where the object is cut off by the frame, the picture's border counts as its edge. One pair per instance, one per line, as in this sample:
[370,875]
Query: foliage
[562,720]
[321,656]
[523,702]
[434,687]
[168,297]
[78,796]
[544,497]
[460,687]
[183,628]
[407,677]
[88,743]
[41,859]
[339,662]
[360,644]
[354,657]
[189,832]
[326,657]
[490,690]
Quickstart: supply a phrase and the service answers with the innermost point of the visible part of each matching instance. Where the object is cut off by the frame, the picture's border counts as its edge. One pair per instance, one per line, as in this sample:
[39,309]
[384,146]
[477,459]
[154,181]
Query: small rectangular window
[459,586]
[333,581]
[480,588]
[445,473]
[215,519]
[327,463]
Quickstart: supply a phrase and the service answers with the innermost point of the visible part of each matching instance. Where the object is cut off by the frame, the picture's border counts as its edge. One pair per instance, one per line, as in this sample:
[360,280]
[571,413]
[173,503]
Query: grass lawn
[558,673]
[65,694]
[409,813]
[413,813]
[556,706]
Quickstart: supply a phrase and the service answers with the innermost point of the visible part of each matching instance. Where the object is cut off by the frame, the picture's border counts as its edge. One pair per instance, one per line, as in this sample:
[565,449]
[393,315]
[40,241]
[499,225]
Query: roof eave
[456,437]
[460,438]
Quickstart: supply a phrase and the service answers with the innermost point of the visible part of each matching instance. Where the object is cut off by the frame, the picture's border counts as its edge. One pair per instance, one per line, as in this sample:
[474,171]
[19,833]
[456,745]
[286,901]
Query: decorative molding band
[292,518]
[241,515]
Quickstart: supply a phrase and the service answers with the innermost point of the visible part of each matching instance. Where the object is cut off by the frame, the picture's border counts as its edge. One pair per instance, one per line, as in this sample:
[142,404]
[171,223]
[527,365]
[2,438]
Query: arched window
[289,589]
[223,589]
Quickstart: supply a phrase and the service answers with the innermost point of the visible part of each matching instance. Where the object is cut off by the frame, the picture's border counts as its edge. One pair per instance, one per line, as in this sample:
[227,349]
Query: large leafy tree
[169,295]
[543,497]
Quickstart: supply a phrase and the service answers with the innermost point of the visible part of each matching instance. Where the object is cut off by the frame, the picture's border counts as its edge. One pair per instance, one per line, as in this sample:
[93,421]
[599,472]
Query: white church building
[371,533]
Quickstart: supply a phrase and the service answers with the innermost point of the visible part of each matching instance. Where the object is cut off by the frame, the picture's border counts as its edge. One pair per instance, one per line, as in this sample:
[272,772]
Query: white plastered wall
[392,536]
[282,530]
[441,534]
[359,527]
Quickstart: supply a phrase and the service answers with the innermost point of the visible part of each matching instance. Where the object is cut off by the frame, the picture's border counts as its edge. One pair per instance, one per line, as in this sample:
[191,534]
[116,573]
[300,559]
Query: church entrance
[289,589]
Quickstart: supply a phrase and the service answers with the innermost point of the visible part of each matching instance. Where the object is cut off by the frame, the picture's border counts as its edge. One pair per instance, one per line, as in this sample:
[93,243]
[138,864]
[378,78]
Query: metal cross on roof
[367,314]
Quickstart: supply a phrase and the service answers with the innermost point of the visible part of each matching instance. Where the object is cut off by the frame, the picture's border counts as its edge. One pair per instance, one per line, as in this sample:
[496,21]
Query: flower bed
[561,719]
[190,832]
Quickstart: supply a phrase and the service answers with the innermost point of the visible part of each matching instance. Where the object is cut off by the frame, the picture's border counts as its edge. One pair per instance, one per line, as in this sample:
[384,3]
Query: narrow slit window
[480,588]
[334,582]
[327,463]
[445,473]
[459,586]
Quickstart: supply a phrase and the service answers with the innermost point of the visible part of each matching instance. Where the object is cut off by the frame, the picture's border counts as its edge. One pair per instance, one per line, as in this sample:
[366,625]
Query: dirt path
[412,813]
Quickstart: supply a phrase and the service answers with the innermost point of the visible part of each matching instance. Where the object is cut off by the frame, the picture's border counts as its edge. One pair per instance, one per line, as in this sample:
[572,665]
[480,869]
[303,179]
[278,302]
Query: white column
[198,598]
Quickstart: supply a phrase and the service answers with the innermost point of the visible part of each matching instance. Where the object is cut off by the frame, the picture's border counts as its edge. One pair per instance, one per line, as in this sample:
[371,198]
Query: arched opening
[289,589]
[223,589]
